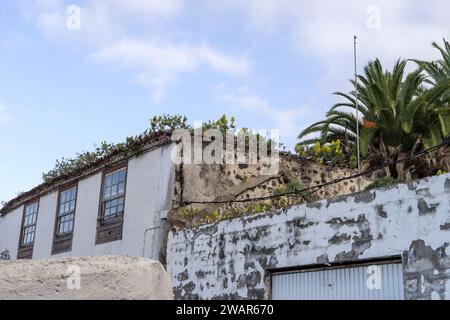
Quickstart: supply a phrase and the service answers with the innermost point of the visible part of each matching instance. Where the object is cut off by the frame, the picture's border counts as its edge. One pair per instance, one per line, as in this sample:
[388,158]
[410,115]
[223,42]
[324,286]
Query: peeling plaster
[5,255]
[427,267]
[424,208]
[445,226]
[241,252]
[381,212]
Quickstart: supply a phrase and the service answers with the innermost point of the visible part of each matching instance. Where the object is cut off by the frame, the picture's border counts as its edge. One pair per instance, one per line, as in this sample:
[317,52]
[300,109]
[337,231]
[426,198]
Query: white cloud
[51,22]
[322,27]
[158,84]
[287,119]
[157,65]
[51,17]
[262,16]
[152,8]
[168,57]
[116,9]
[322,31]
[233,65]
[326,28]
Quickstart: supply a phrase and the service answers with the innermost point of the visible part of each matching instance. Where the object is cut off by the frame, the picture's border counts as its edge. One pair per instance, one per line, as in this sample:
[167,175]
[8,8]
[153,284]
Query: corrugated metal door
[375,282]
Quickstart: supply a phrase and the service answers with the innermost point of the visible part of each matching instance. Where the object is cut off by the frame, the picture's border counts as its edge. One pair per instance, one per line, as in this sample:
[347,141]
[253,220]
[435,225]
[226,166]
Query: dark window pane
[115,178]
[28,237]
[108,180]
[107,192]
[122,175]
[114,190]
[67,211]
[121,188]
[29,223]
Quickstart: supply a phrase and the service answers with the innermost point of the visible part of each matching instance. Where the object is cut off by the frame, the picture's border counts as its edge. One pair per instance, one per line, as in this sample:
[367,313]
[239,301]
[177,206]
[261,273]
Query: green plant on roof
[383,182]
[329,153]
[207,219]
[189,213]
[168,122]
[162,123]
[293,186]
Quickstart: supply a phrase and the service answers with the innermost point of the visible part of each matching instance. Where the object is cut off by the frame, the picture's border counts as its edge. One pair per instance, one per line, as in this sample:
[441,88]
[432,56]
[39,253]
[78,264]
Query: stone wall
[233,259]
[240,181]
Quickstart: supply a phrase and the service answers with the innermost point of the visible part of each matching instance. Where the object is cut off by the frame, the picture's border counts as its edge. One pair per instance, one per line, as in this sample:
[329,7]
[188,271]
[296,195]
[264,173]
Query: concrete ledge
[86,278]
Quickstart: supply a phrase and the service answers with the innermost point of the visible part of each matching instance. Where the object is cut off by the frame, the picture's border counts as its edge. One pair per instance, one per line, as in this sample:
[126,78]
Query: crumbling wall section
[225,182]
[427,271]
[232,259]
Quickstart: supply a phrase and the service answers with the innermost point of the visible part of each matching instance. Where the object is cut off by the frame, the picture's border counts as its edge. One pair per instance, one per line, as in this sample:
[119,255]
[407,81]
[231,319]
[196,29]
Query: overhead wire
[314,189]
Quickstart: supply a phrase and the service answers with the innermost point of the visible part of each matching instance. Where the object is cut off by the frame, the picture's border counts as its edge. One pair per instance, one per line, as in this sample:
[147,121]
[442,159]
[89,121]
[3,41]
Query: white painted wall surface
[149,190]
[231,259]
[10,231]
[43,239]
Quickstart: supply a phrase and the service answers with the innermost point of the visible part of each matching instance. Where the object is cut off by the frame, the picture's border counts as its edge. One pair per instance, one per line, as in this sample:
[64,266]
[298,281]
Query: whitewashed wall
[233,259]
[10,231]
[149,191]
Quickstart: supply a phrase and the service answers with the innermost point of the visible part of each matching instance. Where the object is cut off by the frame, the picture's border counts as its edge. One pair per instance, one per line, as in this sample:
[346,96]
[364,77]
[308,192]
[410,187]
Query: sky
[75,73]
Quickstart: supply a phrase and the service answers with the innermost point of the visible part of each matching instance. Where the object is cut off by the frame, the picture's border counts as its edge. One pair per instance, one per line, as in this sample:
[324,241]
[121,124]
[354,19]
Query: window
[29,224]
[65,218]
[112,205]
[28,231]
[66,211]
[114,195]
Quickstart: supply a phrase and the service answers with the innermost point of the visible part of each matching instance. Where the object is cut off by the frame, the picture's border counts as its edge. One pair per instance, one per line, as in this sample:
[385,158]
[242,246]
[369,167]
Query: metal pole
[357,114]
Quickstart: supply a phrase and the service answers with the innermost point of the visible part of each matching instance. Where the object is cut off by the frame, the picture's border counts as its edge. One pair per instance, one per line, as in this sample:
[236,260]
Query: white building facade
[116,209]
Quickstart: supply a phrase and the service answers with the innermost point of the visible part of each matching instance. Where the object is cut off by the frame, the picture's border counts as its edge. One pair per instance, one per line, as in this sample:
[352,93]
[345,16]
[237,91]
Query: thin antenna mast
[357,107]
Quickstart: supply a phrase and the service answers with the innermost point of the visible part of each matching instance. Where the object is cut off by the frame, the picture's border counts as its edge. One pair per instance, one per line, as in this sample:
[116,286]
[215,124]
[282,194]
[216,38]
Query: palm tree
[439,70]
[399,113]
